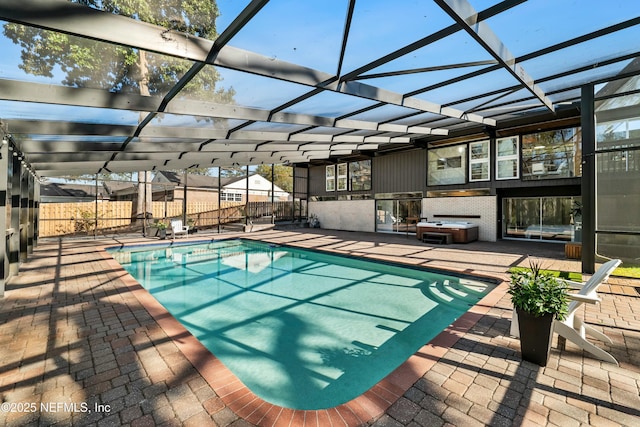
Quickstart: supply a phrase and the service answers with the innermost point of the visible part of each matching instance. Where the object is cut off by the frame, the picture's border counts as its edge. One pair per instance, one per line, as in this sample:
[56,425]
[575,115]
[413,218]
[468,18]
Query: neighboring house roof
[88,191]
[119,186]
[232,180]
[207,181]
[193,180]
[64,190]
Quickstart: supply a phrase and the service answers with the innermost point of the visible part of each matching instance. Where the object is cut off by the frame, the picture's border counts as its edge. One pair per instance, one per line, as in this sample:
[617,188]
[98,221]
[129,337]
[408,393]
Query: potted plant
[162,229]
[538,298]
[313,221]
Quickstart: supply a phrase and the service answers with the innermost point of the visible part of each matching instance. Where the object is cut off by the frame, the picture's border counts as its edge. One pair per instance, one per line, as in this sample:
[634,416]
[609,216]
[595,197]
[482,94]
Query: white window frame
[480,160]
[231,197]
[342,176]
[513,158]
[330,178]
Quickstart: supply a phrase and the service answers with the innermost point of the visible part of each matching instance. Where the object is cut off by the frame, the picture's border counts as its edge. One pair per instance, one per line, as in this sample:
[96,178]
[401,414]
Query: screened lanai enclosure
[232,200]
[106,87]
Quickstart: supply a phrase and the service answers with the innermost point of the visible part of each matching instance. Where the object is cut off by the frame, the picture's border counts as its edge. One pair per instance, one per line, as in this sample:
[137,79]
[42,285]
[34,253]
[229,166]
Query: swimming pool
[301,329]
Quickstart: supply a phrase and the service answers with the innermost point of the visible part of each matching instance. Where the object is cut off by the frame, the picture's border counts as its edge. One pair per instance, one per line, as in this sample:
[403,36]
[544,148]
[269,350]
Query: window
[342,177]
[353,176]
[551,154]
[330,178]
[507,165]
[447,165]
[231,197]
[542,218]
[360,175]
[611,133]
[479,161]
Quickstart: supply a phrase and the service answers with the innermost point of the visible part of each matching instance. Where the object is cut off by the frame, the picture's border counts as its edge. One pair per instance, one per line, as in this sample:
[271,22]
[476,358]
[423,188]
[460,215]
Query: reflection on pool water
[300,328]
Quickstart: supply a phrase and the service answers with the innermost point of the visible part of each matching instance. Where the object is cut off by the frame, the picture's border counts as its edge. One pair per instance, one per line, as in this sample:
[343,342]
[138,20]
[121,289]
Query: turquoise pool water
[301,329]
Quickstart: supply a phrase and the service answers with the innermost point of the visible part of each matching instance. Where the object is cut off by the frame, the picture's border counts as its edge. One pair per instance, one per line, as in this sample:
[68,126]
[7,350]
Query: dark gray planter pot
[535,337]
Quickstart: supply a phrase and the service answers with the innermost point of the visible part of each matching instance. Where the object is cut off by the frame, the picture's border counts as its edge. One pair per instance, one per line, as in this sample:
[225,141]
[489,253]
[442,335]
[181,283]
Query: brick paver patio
[81,344]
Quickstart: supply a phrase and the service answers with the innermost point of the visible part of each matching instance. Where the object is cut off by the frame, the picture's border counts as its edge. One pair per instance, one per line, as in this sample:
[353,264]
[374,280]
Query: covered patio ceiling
[86,91]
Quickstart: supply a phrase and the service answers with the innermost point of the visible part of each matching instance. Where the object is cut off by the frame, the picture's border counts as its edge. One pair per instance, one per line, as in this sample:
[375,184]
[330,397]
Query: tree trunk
[142,203]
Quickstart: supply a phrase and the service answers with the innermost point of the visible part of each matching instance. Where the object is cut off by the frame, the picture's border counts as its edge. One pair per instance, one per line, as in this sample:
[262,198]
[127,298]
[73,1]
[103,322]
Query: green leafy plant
[86,222]
[161,225]
[538,292]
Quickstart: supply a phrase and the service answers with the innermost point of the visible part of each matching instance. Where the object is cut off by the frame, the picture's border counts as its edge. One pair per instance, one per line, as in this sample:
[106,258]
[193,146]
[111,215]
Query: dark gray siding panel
[401,172]
[301,181]
[317,186]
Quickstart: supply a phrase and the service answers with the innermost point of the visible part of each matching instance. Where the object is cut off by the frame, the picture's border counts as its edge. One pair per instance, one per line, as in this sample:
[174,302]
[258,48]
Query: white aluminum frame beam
[82,21]
[467,17]
[12,90]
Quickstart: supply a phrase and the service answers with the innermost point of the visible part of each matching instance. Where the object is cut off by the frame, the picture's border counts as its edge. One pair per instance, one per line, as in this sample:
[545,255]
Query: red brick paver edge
[363,409]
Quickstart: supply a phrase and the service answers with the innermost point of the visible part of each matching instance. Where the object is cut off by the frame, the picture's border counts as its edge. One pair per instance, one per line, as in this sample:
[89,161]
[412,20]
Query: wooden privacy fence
[58,219]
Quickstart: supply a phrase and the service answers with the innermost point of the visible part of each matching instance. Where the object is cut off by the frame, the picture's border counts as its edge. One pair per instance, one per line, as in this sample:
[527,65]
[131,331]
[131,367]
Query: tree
[89,63]
[100,65]
[233,171]
[282,175]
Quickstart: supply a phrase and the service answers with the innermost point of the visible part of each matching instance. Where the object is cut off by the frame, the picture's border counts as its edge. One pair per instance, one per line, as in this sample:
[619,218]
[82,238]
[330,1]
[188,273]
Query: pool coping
[363,409]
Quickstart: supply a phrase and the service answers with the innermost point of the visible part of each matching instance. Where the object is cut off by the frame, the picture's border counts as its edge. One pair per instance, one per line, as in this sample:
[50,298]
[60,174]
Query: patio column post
[588,189]
[14,237]
[24,213]
[30,211]
[246,200]
[185,191]
[295,208]
[36,210]
[4,180]
[273,198]
[219,195]
[95,208]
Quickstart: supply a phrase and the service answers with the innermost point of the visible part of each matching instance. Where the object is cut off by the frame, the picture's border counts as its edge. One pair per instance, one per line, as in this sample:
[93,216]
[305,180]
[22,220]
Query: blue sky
[310,33]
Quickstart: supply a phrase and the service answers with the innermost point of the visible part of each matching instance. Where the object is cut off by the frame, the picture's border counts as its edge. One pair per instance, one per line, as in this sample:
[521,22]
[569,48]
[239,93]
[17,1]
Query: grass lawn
[631,271]
[568,275]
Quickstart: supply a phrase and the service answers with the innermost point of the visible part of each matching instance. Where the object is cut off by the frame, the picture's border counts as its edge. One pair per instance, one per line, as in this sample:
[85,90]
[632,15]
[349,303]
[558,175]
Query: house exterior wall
[479,210]
[317,182]
[351,215]
[259,189]
[399,172]
[196,195]
[359,215]
[451,194]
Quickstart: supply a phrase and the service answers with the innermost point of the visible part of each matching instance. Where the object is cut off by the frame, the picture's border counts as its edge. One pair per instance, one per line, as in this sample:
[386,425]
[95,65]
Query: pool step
[448,293]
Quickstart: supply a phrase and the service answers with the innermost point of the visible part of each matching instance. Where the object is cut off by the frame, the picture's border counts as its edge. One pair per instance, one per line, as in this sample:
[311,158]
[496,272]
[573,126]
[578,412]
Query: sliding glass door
[397,216]
[542,218]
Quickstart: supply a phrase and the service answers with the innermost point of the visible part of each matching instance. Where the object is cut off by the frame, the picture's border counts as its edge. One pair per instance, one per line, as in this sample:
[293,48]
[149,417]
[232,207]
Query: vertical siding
[401,172]
[397,172]
[317,185]
[301,180]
